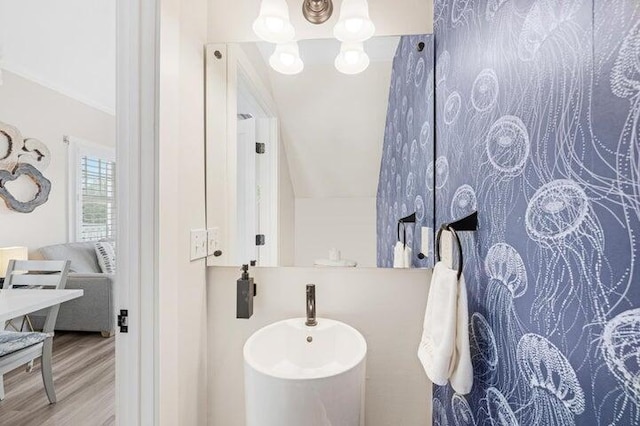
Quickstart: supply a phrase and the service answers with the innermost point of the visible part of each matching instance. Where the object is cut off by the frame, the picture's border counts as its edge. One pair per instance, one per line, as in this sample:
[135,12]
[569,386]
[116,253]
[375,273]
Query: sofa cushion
[82,256]
[13,341]
[106,257]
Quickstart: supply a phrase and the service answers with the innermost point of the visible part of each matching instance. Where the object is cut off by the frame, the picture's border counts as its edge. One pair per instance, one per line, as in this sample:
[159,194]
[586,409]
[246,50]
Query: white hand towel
[407,257]
[401,256]
[398,255]
[444,349]
[462,375]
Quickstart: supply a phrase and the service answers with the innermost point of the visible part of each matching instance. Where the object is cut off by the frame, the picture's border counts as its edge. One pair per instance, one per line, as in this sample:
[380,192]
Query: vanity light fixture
[354,24]
[286,59]
[273,24]
[317,11]
[352,58]
[354,27]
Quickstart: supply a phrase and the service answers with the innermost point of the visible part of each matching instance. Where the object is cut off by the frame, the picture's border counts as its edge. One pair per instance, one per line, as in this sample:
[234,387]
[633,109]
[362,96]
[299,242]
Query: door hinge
[123,321]
[261,148]
[261,240]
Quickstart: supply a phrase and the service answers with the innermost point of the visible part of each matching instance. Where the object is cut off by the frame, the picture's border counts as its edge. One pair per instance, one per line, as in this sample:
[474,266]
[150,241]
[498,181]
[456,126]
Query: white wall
[347,224]
[182,284]
[386,306]
[287,211]
[68,45]
[231,20]
[47,115]
[333,126]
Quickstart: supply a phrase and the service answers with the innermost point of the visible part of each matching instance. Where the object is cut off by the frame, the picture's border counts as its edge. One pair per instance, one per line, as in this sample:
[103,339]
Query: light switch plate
[198,244]
[425,245]
[213,240]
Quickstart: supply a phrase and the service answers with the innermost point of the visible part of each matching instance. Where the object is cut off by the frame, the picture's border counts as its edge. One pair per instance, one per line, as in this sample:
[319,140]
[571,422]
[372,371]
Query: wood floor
[84,378]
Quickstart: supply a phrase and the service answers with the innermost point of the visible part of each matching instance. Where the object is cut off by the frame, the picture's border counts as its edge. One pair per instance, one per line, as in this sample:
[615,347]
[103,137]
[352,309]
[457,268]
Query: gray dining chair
[19,348]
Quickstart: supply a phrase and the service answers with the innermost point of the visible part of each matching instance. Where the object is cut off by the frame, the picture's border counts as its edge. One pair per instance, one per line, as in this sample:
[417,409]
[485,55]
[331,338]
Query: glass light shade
[354,24]
[286,59]
[352,58]
[273,24]
[11,253]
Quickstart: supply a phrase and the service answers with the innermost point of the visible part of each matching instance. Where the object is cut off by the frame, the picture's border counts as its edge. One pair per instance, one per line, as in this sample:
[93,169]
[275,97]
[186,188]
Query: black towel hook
[409,219]
[468,223]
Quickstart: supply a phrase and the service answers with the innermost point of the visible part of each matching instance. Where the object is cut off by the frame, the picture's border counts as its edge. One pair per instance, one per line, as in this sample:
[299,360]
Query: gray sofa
[95,311]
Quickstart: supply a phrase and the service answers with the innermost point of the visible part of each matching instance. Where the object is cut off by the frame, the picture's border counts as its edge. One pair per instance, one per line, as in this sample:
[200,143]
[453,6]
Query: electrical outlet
[198,244]
[425,246]
[213,241]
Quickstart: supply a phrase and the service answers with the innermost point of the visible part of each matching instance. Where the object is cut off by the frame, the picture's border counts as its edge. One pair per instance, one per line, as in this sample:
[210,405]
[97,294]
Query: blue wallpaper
[406,177]
[538,108]
[538,124]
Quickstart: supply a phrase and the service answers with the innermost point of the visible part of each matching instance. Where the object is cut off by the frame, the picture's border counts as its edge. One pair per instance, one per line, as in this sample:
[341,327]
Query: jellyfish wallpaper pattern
[537,119]
[407,176]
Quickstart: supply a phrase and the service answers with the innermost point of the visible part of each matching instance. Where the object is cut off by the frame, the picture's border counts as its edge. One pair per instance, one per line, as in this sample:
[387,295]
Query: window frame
[79,148]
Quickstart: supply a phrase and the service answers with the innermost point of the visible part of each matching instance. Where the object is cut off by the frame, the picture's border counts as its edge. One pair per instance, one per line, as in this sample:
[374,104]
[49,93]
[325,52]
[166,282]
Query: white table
[16,303]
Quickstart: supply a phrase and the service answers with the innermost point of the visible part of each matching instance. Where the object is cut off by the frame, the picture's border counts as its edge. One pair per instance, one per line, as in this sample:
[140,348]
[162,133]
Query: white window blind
[92,186]
[98,199]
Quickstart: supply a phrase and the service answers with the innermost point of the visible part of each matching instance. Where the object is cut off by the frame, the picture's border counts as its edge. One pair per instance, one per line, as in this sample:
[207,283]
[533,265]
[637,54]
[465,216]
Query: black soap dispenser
[245,292]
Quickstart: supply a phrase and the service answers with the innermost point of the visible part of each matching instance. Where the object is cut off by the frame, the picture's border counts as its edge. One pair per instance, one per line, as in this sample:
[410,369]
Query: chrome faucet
[311,306]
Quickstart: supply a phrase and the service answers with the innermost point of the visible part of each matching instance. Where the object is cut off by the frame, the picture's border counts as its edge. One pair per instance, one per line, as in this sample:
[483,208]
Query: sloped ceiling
[333,124]
[65,45]
[231,20]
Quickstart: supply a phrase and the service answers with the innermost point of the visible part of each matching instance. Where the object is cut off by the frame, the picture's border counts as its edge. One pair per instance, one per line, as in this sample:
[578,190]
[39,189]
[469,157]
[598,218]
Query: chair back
[50,274]
[38,274]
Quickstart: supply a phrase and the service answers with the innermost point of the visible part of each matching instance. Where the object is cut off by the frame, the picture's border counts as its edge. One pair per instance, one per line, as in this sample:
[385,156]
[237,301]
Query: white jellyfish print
[625,83]
[500,412]
[425,134]
[570,241]
[414,153]
[507,281]
[464,202]
[399,140]
[411,60]
[462,414]
[461,11]
[452,108]
[484,350]
[621,352]
[420,210]
[484,93]
[419,73]
[492,8]
[410,186]
[439,413]
[556,394]
[508,145]
[442,172]
[544,17]
[442,66]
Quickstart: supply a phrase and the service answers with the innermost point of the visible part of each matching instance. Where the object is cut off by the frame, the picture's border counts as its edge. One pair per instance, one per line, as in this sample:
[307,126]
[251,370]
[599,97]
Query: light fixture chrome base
[317,11]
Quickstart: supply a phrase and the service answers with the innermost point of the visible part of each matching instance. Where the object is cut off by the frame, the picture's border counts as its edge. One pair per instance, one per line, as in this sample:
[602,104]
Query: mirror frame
[225,63]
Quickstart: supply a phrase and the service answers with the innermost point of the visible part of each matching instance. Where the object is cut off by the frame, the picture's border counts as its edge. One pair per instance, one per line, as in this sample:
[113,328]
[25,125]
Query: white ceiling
[333,124]
[66,45]
[231,20]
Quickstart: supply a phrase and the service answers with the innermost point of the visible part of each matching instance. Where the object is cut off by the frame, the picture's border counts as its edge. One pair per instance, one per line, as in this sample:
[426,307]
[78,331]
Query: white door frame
[137,234]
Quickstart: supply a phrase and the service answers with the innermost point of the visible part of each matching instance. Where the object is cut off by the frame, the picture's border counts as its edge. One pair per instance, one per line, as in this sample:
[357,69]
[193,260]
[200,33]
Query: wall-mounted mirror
[317,168]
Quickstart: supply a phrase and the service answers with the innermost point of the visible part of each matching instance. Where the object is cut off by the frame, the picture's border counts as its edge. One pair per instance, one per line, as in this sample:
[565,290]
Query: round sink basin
[297,375]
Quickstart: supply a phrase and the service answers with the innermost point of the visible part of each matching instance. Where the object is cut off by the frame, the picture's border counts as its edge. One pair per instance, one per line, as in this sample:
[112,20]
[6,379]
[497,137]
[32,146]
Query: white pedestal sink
[297,375]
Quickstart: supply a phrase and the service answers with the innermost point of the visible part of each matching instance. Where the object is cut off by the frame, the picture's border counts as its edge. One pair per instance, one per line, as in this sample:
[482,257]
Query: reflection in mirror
[302,169]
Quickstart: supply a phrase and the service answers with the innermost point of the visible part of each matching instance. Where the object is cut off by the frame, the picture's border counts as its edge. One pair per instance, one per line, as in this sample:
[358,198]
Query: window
[93,192]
